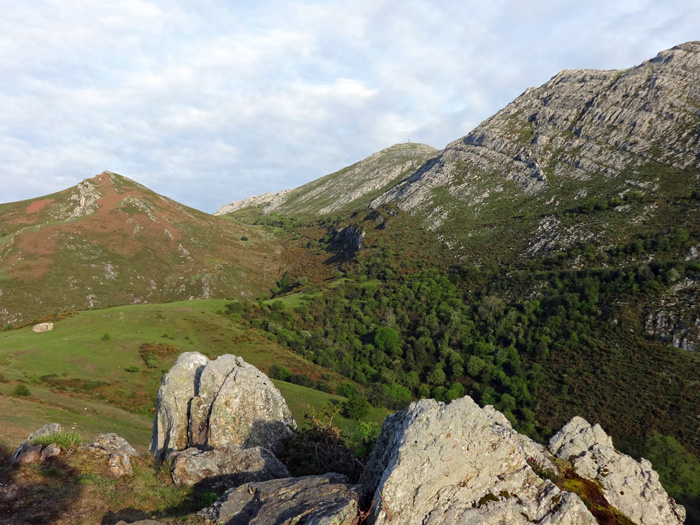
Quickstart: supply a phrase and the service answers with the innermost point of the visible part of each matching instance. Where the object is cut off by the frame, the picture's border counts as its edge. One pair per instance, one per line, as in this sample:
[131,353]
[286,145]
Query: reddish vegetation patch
[37,206]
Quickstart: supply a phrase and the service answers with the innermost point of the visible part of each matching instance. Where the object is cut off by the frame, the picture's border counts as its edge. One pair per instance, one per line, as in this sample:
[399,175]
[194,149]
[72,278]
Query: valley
[547,263]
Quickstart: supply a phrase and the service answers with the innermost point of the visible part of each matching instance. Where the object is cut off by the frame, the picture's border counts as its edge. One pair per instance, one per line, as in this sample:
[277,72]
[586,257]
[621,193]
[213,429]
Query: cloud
[217,101]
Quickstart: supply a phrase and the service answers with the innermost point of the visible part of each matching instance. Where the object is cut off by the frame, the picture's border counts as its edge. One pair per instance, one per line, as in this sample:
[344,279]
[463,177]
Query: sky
[214,101]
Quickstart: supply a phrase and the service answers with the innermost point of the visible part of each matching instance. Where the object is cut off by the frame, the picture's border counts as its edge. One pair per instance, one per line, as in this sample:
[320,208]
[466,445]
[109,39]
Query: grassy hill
[111,241]
[91,372]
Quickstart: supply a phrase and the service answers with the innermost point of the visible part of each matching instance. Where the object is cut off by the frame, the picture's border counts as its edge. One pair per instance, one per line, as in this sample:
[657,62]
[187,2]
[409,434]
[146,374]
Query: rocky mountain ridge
[348,189]
[581,125]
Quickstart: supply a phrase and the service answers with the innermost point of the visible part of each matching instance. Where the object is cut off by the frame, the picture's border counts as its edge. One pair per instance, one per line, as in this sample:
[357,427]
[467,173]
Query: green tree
[387,340]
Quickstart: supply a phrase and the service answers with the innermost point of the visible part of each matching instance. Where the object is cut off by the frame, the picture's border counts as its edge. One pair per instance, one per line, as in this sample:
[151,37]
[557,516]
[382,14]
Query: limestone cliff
[581,125]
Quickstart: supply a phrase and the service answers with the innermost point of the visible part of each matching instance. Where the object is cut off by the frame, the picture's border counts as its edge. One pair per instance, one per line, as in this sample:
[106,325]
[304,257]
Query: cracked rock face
[457,463]
[317,500]
[631,486]
[177,387]
[214,403]
[225,467]
[580,125]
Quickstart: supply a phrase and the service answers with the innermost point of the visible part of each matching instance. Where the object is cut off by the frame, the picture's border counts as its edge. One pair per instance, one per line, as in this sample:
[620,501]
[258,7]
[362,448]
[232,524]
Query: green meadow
[90,373]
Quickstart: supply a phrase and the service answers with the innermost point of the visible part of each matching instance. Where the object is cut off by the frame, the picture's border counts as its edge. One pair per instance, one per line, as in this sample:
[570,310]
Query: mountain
[110,241]
[581,126]
[346,190]
[583,136]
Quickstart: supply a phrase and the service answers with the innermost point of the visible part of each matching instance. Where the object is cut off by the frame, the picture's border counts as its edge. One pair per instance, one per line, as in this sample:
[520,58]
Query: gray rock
[351,187]
[457,463]
[31,454]
[631,486]
[312,500]
[249,411]
[46,430]
[178,387]
[119,465]
[51,451]
[111,443]
[226,467]
[42,327]
[213,376]
[211,404]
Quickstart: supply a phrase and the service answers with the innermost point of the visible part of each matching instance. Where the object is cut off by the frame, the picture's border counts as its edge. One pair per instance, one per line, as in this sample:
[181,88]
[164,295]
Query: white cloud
[214,101]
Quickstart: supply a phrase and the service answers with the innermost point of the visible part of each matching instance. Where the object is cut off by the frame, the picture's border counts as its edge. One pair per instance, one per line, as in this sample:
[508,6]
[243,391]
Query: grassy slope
[130,246]
[88,354]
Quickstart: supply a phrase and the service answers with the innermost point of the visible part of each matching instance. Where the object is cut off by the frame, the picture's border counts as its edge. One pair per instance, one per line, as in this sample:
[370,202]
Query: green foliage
[386,340]
[65,440]
[356,407]
[105,337]
[132,369]
[678,470]
[279,372]
[346,389]
[21,390]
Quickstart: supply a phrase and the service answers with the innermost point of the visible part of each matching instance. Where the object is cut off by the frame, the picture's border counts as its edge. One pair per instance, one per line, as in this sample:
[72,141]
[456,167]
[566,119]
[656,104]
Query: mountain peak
[352,187]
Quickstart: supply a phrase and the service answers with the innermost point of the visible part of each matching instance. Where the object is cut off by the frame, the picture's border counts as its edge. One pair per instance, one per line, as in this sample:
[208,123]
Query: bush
[279,372]
[132,368]
[346,389]
[356,407]
[21,390]
[302,380]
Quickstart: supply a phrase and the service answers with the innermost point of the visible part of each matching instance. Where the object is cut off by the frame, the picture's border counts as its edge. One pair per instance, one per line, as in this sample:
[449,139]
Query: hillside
[547,263]
[346,190]
[110,241]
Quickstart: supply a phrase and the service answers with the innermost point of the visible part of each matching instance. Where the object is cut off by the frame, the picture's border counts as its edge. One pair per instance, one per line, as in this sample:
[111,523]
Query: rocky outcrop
[581,125]
[178,387]
[211,404]
[318,500]
[119,450]
[457,463]
[225,467]
[631,486]
[26,445]
[42,327]
[111,443]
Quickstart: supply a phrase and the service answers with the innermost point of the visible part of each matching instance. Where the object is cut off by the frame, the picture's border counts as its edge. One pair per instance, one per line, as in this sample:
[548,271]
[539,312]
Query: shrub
[132,368]
[302,380]
[356,407]
[346,389]
[105,337]
[279,372]
[21,390]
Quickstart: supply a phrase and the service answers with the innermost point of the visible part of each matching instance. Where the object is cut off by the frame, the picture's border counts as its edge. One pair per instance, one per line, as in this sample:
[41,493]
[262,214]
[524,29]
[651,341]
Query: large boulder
[178,387]
[317,500]
[226,467]
[111,443]
[631,486]
[249,411]
[440,463]
[26,445]
[210,404]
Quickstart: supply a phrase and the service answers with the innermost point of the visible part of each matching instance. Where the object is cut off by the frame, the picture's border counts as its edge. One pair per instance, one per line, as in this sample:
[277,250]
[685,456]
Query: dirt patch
[37,206]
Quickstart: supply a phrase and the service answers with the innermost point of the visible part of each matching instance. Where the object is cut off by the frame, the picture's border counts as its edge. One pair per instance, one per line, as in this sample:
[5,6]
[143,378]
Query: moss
[486,498]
